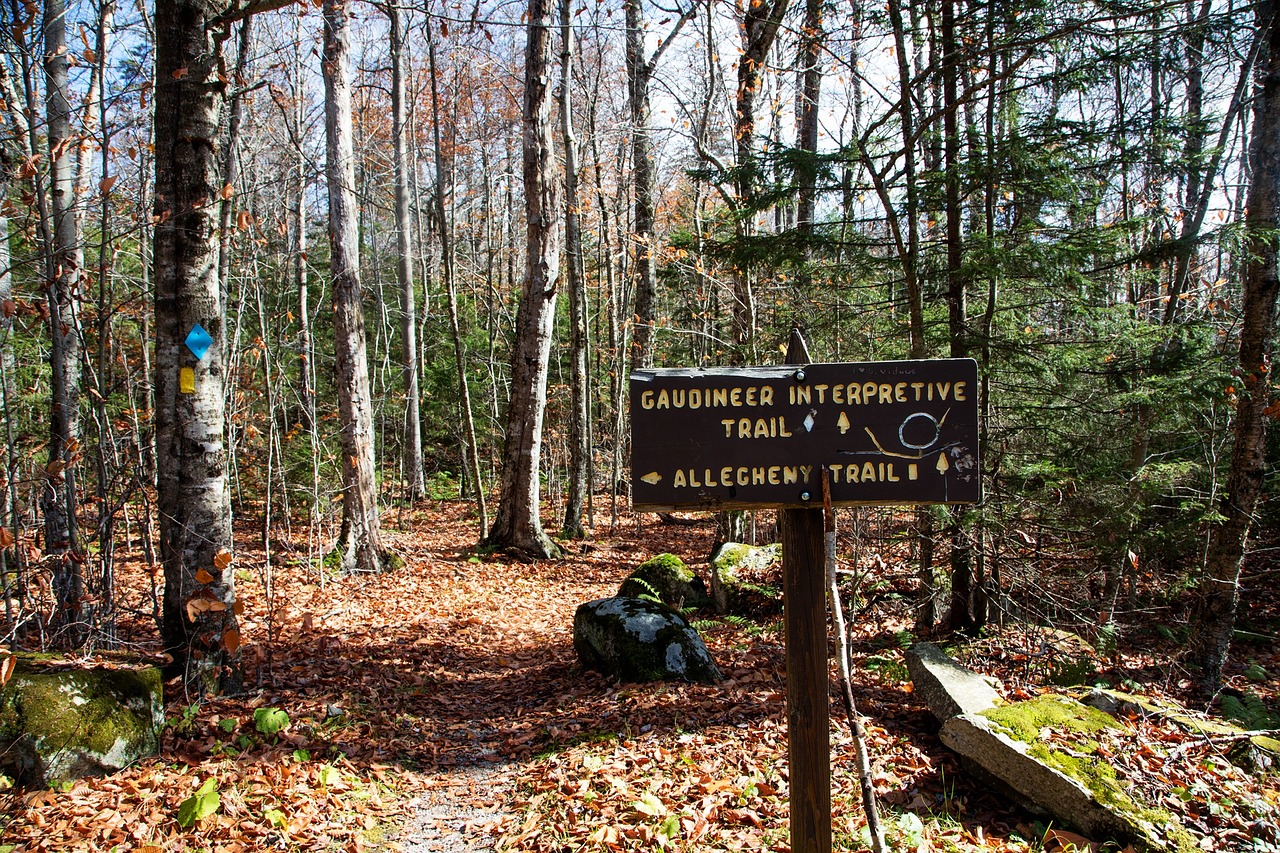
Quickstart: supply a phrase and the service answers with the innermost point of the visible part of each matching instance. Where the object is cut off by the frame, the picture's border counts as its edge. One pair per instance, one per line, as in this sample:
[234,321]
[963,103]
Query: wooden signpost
[897,432]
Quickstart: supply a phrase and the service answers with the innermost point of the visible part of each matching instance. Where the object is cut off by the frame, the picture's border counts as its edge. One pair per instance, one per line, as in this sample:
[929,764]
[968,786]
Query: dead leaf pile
[368,691]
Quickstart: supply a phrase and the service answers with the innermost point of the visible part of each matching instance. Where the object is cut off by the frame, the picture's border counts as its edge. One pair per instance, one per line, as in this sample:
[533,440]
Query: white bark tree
[63,277]
[517,525]
[359,547]
[198,624]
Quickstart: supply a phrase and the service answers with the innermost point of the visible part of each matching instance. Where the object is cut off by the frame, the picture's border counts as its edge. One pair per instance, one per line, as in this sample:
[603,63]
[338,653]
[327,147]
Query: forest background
[1059,191]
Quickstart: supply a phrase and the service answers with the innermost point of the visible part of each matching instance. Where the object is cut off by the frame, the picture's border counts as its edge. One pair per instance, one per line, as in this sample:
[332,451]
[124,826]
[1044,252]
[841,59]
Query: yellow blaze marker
[187,380]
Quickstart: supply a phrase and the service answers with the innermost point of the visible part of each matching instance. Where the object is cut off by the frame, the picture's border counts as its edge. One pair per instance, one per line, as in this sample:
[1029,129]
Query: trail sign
[889,432]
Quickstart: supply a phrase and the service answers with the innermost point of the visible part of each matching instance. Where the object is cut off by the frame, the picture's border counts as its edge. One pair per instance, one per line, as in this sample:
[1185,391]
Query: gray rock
[637,639]
[730,561]
[945,686]
[58,724]
[1045,753]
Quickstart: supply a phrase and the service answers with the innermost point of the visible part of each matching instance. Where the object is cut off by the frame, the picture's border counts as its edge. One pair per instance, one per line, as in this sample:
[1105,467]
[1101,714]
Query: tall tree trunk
[962,586]
[298,209]
[517,526]
[1219,593]
[231,155]
[760,26]
[908,253]
[812,39]
[471,452]
[199,623]
[638,71]
[579,417]
[404,261]
[106,451]
[10,154]
[640,68]
[58,498]
[359,547]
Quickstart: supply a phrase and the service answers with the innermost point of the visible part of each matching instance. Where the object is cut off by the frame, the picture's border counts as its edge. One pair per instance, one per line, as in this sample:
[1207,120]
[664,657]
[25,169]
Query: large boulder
[58,723]
[666,578]
[636,639]
[732,567]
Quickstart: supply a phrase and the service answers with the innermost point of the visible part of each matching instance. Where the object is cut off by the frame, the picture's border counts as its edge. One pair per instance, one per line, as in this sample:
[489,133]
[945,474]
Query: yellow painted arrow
[843,423]
[653,478]
[943,465]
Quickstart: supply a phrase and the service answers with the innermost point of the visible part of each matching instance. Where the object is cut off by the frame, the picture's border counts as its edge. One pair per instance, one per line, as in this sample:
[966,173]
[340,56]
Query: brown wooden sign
[889,432]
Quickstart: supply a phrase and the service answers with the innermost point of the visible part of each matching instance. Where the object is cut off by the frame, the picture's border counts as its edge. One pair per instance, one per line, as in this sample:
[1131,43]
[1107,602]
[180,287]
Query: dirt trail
[487,673]
[461,813]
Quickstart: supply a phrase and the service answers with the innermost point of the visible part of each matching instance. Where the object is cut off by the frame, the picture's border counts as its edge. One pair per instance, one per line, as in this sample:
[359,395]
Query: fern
[1250,711]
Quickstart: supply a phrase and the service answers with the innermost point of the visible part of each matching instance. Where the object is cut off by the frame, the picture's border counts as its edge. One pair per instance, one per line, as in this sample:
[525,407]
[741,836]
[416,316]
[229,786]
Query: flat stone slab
[1074,787]
[945,686]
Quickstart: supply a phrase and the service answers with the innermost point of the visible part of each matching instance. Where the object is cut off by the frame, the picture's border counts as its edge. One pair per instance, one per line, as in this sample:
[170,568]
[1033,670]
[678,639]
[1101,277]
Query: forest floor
[441,708]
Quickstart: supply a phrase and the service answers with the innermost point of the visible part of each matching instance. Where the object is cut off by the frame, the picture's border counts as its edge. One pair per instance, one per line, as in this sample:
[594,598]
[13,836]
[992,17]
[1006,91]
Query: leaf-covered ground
[441,708]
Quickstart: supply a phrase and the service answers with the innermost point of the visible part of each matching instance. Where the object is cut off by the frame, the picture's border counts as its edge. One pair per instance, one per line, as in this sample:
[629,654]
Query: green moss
[730,555]
[666,578]
[1024,721]
[668,564]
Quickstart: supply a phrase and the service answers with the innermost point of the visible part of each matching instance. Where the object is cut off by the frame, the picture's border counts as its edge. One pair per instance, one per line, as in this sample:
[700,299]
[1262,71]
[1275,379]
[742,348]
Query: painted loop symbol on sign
[198,341]
[902,430]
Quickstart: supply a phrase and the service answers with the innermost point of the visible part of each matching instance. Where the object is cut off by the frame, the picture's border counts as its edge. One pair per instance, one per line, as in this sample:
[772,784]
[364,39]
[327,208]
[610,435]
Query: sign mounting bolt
[804,496]
[799,375]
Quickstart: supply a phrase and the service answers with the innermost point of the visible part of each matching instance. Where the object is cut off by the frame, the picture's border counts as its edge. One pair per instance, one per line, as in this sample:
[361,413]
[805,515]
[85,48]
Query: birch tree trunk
[198,622]
[404,262]
[10,154]
[517,525]
[1219,595]
[359,547]
[58,497]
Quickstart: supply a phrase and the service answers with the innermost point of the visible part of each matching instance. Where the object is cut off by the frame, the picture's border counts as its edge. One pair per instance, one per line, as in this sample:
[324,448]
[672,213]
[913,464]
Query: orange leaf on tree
[203,576]
[231,640]
[221,560]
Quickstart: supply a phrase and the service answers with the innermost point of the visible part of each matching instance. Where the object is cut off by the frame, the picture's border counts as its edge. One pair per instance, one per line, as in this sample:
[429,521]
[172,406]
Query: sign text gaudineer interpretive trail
[889,432]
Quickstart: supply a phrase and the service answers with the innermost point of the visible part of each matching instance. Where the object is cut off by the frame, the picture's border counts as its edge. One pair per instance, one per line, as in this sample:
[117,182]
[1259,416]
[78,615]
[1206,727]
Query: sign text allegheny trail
[889,432]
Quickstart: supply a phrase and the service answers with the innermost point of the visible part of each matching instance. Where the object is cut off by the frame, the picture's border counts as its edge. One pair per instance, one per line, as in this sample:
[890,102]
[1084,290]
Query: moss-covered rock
[668,579]
[1063,774]
[731,565]
[59,723]
[636,639]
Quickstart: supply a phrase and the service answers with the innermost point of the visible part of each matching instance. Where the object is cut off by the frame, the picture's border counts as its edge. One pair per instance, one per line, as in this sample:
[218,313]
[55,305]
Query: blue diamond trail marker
[198,341]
